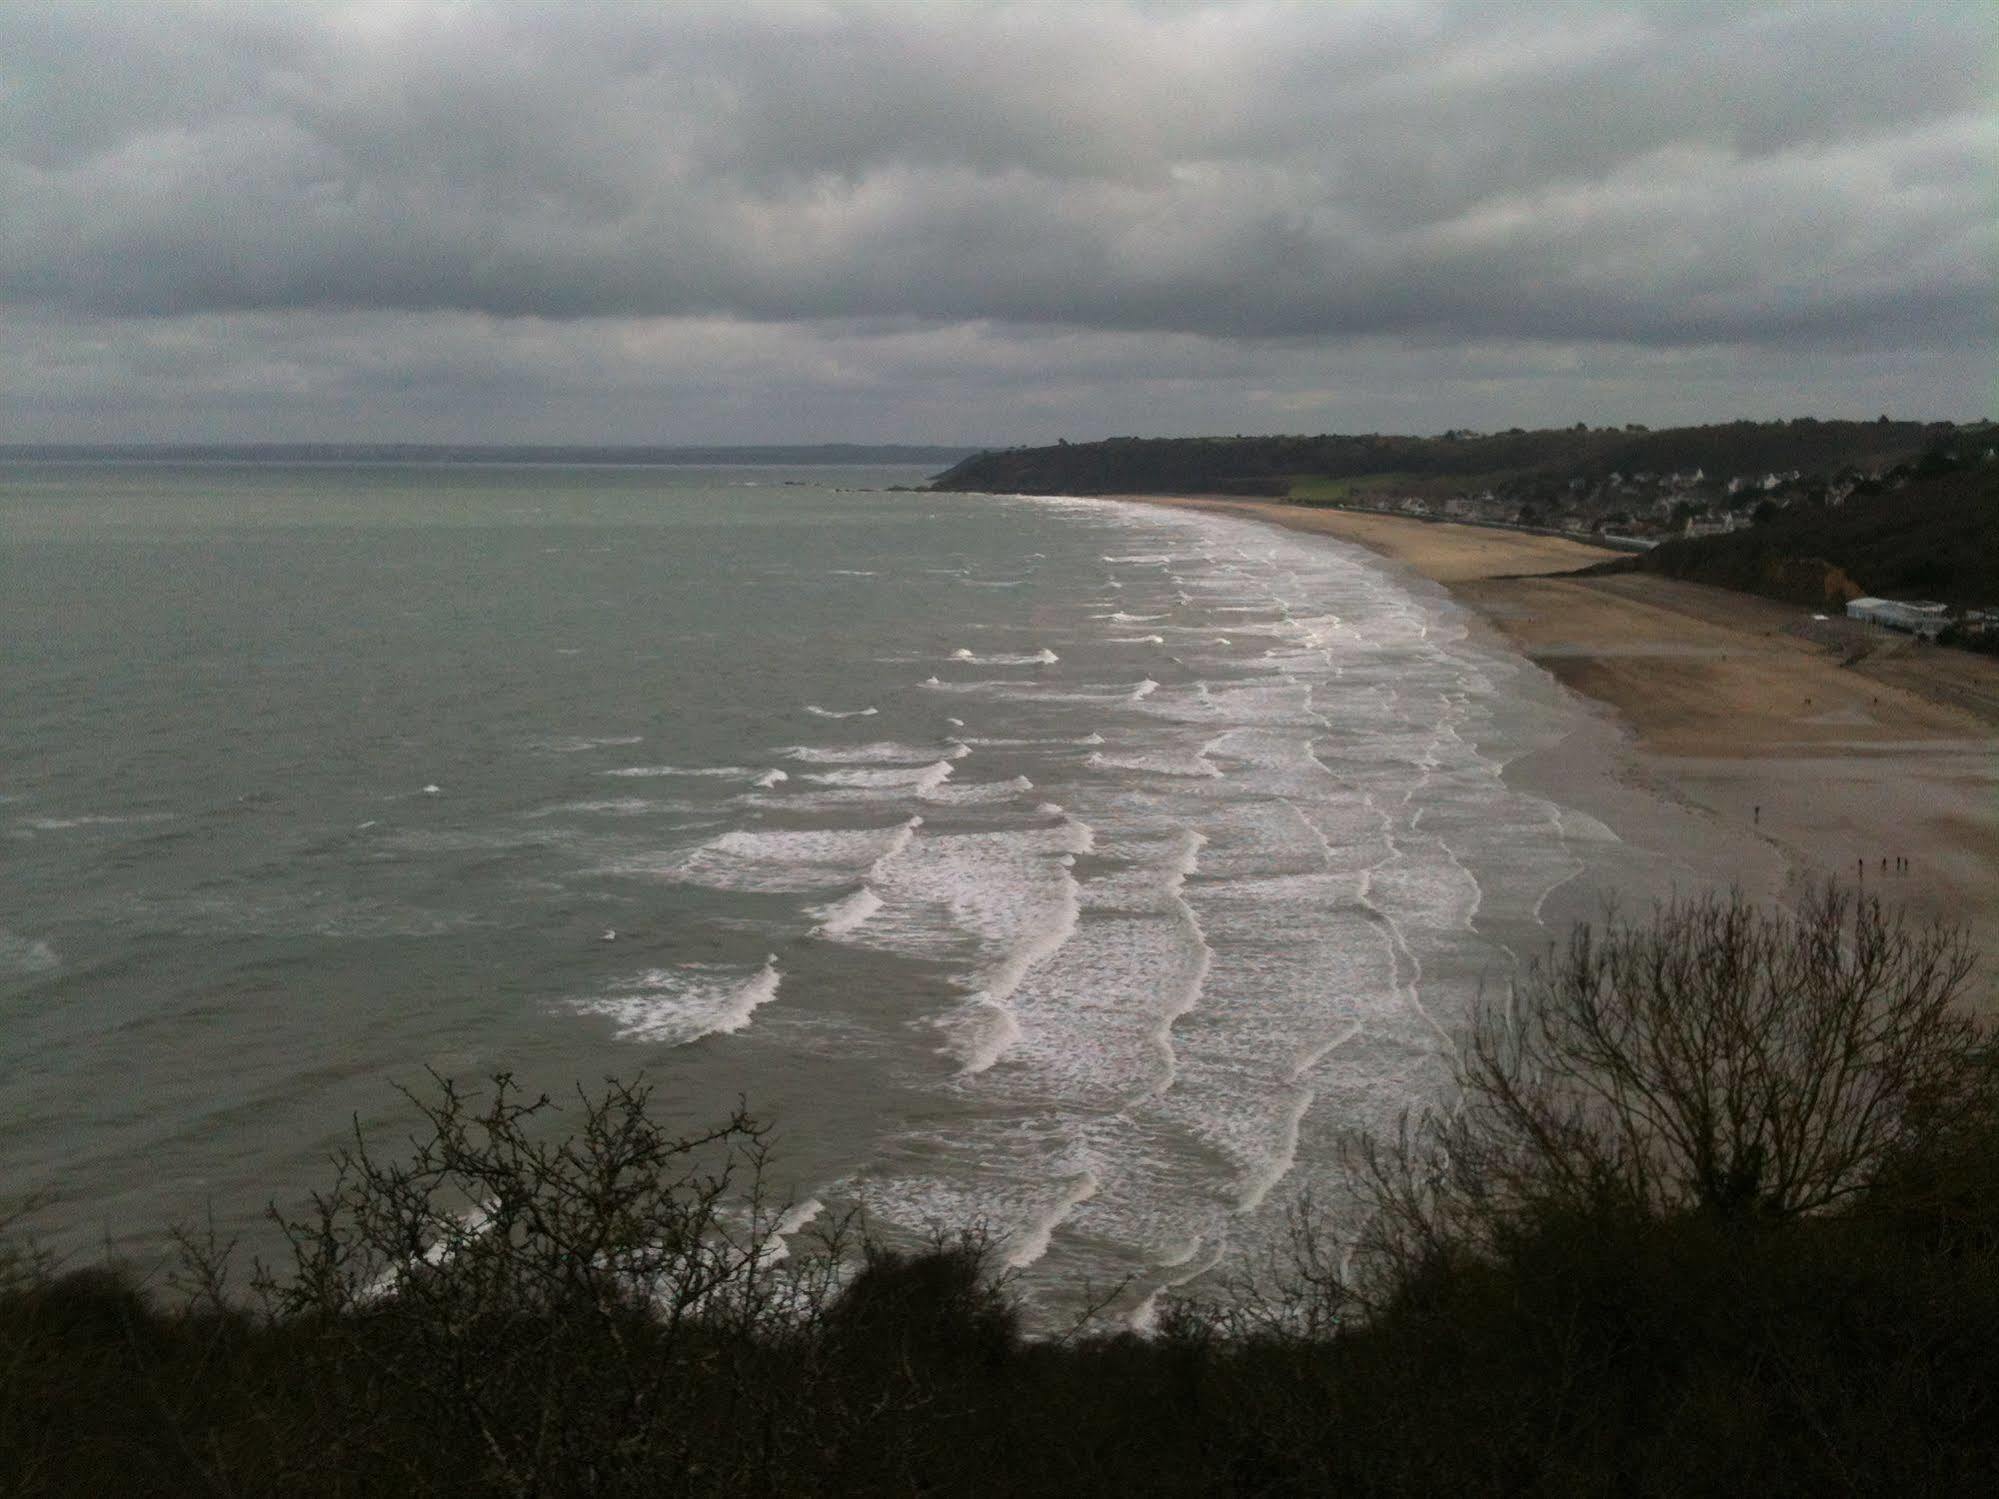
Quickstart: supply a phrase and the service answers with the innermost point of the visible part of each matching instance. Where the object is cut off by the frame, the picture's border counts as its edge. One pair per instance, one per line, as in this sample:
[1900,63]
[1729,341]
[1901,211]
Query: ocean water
[1084,869]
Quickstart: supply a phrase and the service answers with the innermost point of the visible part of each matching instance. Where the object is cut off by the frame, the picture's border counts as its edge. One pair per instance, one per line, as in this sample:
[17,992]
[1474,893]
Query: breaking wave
[673,1006]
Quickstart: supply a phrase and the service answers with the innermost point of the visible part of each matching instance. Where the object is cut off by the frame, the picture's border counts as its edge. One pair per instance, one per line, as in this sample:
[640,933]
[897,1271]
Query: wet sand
[1769,730]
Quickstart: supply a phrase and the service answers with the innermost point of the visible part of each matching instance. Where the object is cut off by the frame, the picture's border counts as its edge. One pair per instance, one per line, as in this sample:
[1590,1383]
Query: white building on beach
[1916,616]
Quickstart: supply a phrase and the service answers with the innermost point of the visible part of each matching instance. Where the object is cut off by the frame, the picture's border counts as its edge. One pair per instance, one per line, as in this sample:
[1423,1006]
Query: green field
[1318,489]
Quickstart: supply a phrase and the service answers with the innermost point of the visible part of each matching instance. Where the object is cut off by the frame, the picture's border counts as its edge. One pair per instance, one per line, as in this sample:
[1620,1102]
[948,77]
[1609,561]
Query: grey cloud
[450,376]
[1664,174]
[575,218]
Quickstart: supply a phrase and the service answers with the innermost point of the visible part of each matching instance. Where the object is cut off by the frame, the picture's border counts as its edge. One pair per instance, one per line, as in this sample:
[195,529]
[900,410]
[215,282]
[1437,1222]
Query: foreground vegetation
[1717,1212]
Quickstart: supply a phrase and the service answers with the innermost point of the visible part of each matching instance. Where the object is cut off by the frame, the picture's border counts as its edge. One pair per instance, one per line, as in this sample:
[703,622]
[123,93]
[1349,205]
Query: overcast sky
[509,220]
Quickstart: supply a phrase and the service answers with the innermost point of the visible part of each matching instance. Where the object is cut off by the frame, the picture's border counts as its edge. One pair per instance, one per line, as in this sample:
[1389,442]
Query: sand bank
[1778,731]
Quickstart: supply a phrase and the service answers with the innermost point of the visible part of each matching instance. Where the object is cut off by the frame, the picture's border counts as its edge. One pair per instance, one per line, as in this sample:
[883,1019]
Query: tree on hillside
[1720,1061]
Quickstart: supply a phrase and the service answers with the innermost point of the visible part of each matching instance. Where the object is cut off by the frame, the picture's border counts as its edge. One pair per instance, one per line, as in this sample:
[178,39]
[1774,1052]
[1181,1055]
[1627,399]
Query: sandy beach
[1773,730]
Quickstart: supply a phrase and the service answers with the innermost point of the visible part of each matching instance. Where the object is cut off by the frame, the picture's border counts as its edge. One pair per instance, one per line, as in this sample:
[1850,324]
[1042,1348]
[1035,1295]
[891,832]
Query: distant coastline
[1809,512]
[803,454]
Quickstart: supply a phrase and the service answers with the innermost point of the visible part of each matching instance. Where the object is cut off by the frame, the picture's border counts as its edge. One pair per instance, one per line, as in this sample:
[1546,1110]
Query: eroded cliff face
[1808,580]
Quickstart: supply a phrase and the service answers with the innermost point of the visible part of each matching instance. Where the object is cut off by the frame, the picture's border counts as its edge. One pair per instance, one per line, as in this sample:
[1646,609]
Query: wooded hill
[1517,460]
[1936,536]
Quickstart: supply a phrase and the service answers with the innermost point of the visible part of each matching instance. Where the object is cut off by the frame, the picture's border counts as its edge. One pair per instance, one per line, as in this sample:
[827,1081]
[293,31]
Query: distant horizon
[863,451]
[828,455]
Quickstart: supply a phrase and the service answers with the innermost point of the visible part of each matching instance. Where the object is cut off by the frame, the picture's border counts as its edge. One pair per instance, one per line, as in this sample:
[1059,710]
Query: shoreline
[1737,712]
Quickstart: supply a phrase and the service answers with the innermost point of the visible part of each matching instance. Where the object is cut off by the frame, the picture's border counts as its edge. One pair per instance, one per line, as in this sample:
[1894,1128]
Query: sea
[1086,871]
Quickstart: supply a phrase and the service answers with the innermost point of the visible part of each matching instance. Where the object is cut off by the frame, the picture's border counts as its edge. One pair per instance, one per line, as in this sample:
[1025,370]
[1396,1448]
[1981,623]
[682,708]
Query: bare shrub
[550,1299]
[1719,1059]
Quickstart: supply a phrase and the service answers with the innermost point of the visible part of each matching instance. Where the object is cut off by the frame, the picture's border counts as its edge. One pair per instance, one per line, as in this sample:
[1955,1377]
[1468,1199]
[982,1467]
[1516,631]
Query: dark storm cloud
[822,187]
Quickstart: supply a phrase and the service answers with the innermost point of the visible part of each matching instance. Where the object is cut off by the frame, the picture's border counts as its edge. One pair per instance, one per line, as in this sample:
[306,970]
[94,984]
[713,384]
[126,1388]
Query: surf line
[850,911]
[1191,844]
[986,1027]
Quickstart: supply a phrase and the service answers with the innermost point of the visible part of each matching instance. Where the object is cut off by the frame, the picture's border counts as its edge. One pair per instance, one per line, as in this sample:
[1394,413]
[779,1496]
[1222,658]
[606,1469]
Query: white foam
[1144,1317]
[673,1006]
[1144,690]
[918,779]
[717,772]
[1319,1051]
[981,1034]
[1160,764]
[843,915]
[1034,692]
[619,806]
[1032,1240]
[780,862]
[1182,1001]
[819,712]
[1122,618]
[880,752]
[1267,1173]
[774,1250]
[1003,900]
[576,744]
[985,742]
[797,1216]
[1042,657]
[987,1026]
[979,793]
[60,824]
[27,954]
[771,778]
[1583,827]
[1138,640]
